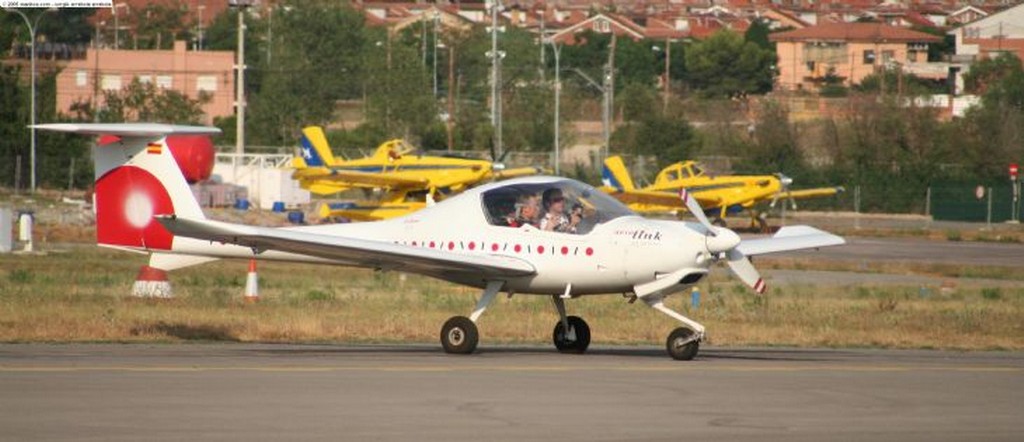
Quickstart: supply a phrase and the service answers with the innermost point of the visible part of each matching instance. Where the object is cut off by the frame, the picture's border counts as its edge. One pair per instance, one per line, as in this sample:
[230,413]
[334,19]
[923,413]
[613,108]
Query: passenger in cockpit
[555,219]
[526,212]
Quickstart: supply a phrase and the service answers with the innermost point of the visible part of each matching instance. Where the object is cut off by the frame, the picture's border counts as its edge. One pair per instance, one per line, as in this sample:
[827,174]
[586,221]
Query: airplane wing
[517,172]
[819,192]
[658,198]
[788,239]
[352,251]
[353,178]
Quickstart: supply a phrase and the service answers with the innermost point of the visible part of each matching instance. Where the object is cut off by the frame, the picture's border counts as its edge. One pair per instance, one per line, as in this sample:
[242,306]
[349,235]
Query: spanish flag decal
[154,148]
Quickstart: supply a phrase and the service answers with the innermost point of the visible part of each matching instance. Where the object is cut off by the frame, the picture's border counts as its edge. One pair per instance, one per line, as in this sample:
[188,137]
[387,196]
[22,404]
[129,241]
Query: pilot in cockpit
[555,219]
[527,210]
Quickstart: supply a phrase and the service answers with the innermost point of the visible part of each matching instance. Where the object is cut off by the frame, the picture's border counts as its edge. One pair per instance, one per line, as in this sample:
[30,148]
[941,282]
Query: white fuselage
[612,258]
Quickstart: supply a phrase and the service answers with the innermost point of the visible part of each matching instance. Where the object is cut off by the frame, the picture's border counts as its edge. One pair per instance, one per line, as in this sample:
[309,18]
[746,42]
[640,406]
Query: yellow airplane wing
[819,192]
[369,211]
[352,178]
[517,172]
[657,201]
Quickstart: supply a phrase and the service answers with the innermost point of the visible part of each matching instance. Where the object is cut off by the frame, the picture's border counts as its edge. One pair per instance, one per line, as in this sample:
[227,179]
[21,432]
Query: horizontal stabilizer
[129,129]
[790,238]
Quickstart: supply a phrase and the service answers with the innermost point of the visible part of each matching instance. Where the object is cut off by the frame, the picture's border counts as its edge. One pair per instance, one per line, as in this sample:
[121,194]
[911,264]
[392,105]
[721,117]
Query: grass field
[81,295]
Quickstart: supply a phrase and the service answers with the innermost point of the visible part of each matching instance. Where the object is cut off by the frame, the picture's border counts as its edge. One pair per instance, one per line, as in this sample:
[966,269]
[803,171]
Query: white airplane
[599,247]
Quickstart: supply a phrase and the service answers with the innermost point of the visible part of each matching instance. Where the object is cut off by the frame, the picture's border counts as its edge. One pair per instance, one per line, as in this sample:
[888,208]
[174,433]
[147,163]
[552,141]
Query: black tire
[679,351]
[582,336]
[762,223]
[719,222]
[459,335]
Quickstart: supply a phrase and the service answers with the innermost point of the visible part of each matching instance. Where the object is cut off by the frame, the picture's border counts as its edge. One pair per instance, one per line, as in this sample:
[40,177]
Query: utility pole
[32,112]
[668,72]
[451,97]
[495,56]
[199,35]
[437,17]
[609,97]
[543,41]
[558,99]
[117,30]
[240,79]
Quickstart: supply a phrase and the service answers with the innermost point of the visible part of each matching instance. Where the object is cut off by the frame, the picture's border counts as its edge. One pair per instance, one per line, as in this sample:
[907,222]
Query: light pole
[437,18]
[556,49]
[606,91]
[32,112]
[117,26]
[496,57]
[667,78]
[200,9]
[240,80]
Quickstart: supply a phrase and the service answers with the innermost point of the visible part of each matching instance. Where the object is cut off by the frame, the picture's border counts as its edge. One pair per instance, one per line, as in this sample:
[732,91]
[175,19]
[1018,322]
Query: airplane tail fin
[315,151]
[614,174]
[137,178]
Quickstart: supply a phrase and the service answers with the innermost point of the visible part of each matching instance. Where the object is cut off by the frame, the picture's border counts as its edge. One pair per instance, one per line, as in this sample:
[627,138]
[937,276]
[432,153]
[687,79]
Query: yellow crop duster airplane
[718,195]
[409,181]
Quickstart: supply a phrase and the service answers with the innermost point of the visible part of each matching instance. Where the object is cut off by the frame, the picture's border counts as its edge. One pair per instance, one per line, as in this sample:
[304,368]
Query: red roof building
[846,51]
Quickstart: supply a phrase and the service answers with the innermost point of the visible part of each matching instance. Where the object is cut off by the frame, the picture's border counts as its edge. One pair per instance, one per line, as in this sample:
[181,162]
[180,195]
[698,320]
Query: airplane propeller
[784,188]
[721,240]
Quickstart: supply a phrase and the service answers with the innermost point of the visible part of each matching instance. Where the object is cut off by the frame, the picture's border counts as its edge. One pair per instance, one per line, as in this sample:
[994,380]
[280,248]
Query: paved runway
[335,392]
[920,251]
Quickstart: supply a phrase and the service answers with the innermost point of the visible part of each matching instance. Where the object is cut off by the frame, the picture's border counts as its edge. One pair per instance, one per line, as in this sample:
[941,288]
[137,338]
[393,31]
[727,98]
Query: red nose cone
[194,155]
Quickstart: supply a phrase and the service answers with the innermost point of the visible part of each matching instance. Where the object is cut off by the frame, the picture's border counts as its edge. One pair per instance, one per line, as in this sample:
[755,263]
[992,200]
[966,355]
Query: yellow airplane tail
[314,150]
[615,175]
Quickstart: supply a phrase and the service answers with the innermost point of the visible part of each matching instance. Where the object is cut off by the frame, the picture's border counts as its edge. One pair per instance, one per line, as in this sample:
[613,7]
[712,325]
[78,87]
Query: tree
[774,144]
[399,95]
[317,60]
[666,138]
[989,71]
[140,101]
[725,65]
[893,81]
[757,33]
[14,139]
[156,26]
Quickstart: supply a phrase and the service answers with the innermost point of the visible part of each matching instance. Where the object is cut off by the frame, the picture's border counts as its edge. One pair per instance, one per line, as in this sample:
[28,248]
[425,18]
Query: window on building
[206,83]
[81,78]
[888,56]
[912,56]
[869,56]
[164,81]
[602,26]
[111,82]
[145,79]
[810,66]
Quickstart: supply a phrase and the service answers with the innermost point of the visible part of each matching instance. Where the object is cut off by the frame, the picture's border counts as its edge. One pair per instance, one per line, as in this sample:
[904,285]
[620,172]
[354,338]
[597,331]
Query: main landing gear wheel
[719,222]
[561,338]
[459,335]
[681,345]
[761,223]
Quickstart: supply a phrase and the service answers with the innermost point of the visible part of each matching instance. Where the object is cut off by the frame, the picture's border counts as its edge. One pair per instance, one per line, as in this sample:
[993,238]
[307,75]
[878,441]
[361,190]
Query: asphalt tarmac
[919,251]
[343,392]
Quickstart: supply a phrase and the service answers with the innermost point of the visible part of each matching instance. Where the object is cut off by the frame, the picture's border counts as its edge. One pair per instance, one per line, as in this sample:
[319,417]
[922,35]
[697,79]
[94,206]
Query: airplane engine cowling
[194,155]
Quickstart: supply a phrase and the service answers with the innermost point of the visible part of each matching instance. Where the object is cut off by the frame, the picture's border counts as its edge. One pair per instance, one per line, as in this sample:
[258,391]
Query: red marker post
[1014,173]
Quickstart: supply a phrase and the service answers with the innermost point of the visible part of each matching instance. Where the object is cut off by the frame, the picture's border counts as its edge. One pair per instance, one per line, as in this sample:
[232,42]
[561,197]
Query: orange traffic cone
[152,283]
[252,286]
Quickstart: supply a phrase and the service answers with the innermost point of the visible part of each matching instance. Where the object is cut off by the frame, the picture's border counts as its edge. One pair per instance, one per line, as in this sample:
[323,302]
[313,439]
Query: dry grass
[80,295]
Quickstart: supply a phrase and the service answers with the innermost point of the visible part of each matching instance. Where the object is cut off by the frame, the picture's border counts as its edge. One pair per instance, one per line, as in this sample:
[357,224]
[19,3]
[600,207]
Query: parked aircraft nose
[723,241]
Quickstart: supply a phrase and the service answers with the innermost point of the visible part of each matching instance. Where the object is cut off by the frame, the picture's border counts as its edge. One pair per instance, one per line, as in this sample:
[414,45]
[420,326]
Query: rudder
[137,178]
[614,174]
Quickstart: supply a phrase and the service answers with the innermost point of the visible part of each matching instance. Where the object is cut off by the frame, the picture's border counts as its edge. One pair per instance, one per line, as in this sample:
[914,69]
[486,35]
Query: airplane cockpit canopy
[581,207]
